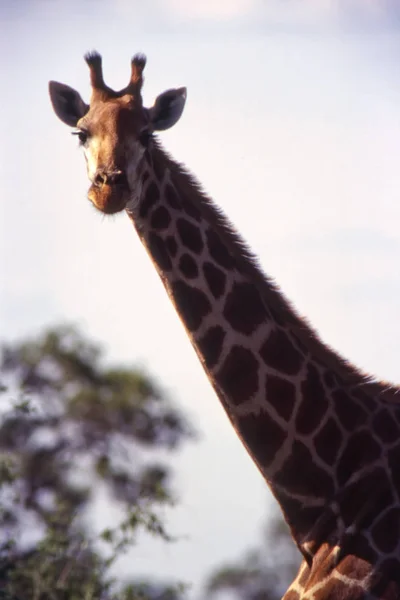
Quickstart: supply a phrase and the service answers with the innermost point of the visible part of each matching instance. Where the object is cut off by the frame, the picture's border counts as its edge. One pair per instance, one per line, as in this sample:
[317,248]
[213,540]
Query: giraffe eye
[82,135]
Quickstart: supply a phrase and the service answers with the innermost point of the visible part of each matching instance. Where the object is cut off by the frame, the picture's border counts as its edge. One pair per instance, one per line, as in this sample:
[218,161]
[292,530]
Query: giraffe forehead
[117,117]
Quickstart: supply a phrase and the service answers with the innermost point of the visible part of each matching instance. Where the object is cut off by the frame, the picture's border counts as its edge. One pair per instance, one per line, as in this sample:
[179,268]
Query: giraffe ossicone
[325,436]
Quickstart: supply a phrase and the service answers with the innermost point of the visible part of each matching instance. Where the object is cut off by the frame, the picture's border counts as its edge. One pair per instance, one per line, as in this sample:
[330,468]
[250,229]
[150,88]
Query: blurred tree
[264,573]
[73,429]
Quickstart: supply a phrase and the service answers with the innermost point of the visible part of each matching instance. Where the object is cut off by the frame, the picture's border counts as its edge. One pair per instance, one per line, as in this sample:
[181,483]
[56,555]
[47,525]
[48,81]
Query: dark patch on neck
[394,462]
[386,532]
[238,376]
[328,441]
[158,167]
[172,246]
[190,235]
[159,252]
[360,450]
[281,394]
[191,303]
[151,197]
[244,309]
[300,475]
[309,524]
[329,379]
[191,210]
[210,345]
[363,500]
[263,436]
[172,198]
[314,403]
[356,554]
[386,427]
[188,266]
[216,279]
[160,219]
[218,251]
[387,585]
[228,250]
[349,412]
[278,352]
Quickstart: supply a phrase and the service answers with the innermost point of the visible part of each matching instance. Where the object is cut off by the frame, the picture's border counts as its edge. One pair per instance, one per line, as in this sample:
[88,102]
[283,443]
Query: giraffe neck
[292,401]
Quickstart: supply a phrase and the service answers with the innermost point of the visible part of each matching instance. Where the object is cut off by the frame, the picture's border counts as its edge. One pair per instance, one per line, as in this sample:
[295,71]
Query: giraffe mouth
[109,198]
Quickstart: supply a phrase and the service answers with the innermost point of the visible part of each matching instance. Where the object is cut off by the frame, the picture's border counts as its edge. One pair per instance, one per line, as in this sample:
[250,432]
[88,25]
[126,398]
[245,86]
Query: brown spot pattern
[303,519]
[191,210]
[386,427]
[263,436]
[322,564]
[335,588]
[292,595]
[188,266]
[192,304]
[357,569]
[349,412]
[279,353]
[160,218]
[327,441]
[329,379]
[159,252]
[210,345]
[190,235]
[152,195]
[365,400]
[218,250]
[216,279]
[361,449]
[359,546]
[358,500]
[244,309]
[171,245]
[172,197]
[390,569]
[238,376]
[314,403]
[158,169]
[300,475]
[386,532]
[394,462]
[281,394]
[305,573]
[278,316]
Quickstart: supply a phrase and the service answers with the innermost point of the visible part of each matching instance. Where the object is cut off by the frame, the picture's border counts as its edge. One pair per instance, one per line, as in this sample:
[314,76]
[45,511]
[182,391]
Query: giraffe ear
[67,103]
[167,109]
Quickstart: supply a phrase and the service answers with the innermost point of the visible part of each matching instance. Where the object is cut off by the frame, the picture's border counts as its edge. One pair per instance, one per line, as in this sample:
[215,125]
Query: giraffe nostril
[100,179]
[113,178]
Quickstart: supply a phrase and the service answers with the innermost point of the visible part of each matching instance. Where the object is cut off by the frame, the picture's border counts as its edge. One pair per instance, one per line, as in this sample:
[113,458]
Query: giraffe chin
[109,199]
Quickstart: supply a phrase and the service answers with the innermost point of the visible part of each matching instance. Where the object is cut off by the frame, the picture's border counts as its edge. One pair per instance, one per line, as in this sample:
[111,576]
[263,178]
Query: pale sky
[292,124]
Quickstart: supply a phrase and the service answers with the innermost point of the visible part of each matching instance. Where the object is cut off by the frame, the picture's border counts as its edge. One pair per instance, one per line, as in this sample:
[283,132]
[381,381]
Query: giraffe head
[115,130]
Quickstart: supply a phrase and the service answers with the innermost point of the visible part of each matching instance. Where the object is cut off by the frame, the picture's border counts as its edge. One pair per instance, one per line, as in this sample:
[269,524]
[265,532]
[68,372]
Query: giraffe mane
[282,308]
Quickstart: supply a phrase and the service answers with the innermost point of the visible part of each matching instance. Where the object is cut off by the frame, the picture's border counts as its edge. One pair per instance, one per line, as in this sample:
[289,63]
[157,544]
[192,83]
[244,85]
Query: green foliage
[69,427]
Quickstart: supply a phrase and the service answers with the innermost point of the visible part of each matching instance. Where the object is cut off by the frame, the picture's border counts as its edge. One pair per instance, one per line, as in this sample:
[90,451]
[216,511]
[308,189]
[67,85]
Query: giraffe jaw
[109,199]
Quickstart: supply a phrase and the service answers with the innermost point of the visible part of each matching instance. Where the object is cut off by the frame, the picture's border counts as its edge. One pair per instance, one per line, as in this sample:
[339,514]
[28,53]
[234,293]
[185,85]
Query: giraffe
[324,435]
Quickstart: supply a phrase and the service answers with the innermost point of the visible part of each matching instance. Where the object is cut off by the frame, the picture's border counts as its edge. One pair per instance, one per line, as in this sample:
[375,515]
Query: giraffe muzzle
[109,191]
[110,178]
